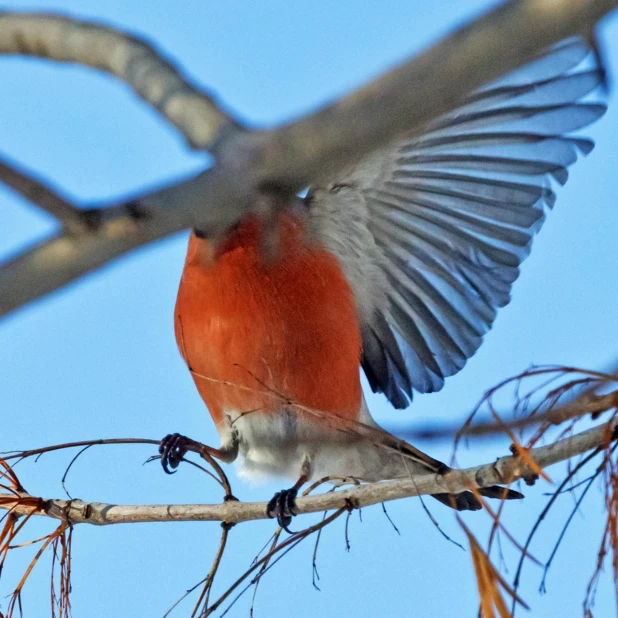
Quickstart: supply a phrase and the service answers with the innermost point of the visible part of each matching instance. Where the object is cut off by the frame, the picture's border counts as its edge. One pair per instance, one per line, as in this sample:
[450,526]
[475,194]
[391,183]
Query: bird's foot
[172,450]
[283,507]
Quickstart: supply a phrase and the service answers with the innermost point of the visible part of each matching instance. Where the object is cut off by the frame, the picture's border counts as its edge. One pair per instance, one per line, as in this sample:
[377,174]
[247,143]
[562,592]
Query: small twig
[499,527]
[183,597]
[586,402]
[258,578]
[66,472]
[37,193]
[315,576]
[428,512]
[225,483]
[542,516]
[574,510]
[346,535]
[593,405]
[389,519]
[489,581]
[259,575]
[572,487]
[436,524]
[195,465]
[7,456]
[290,541]
[202,600]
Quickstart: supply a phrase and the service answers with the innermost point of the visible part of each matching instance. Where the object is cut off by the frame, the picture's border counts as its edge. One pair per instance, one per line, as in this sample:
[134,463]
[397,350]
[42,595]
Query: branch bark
[503,471]
[425,87]
[153,78]
[285,159]
[25,184]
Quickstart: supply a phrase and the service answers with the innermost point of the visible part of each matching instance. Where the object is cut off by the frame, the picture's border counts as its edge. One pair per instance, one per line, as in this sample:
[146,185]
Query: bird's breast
[262,335]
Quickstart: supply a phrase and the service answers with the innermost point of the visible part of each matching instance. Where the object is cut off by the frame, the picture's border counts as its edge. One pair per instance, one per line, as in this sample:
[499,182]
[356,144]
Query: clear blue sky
[99,359]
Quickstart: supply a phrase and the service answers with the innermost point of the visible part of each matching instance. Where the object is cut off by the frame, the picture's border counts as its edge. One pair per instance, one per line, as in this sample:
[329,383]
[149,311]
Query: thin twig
[41,195]
[9,455]
[315,576]
[204,597]
[542,516]
[290,541]
[574,510]
[66,472]
[578,408]
[258,578]
[390,520]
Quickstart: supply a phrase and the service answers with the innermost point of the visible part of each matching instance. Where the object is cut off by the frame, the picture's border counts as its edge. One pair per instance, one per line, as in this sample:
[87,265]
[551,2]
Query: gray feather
[431,232]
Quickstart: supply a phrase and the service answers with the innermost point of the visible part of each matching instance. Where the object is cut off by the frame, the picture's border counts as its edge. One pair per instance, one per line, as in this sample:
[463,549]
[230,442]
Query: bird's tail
[464,501]
[372,454]
[467,501]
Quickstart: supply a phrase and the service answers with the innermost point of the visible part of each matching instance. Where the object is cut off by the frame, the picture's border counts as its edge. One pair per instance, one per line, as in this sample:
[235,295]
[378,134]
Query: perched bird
[396,267]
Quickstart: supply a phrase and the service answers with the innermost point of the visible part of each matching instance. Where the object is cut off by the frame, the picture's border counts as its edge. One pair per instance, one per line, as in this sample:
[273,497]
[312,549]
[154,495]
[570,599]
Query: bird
[394,268]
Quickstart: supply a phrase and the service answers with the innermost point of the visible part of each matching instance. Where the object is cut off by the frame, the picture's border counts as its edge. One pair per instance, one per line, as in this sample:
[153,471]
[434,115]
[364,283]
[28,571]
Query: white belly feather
[277,444]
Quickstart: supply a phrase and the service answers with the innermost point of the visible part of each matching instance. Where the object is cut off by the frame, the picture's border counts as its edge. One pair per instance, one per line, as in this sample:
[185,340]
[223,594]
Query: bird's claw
[172,450]
[283,507]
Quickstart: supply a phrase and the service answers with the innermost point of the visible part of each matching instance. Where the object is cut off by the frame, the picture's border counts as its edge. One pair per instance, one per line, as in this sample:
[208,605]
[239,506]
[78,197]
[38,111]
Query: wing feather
[430,233]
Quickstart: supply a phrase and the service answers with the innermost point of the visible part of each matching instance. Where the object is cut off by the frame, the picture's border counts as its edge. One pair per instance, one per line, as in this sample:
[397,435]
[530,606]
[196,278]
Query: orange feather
[245,324]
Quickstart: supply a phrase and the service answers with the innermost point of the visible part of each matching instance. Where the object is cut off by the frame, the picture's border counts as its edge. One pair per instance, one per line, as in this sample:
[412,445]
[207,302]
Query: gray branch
[25,184]
[192,111]
[425,87]
[503,471]
[282,160]
[588,404]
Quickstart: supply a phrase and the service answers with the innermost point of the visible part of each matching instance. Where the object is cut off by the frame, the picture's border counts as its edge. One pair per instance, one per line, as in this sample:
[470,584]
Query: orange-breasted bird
[396,267]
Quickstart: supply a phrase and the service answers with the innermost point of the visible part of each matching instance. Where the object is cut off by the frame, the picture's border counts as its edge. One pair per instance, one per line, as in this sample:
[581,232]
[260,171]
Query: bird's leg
[283,503]
[175,446]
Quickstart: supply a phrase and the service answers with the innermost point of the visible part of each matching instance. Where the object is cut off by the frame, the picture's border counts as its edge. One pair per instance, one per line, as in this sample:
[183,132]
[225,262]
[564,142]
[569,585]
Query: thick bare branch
[285,159]
[192,111]
[113,231]
[425,87]
[504,470]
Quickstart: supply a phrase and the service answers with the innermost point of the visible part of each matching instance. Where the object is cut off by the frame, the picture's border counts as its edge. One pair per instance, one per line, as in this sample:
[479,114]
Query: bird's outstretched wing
[431,232]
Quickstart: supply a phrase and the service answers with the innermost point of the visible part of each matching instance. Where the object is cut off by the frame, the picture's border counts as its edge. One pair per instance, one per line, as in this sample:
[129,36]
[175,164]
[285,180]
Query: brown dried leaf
[524,454]
[60,600]
[7,473]
[59,537]
[490,583]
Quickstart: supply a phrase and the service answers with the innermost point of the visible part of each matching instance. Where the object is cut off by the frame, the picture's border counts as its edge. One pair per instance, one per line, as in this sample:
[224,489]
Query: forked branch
[285,159]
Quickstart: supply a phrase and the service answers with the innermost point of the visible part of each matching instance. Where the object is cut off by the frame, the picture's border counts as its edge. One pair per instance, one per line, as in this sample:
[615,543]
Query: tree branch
[425,87]
[588,404]
[36,192]
[283,160]
[505,470]
[153,78]
[110,232]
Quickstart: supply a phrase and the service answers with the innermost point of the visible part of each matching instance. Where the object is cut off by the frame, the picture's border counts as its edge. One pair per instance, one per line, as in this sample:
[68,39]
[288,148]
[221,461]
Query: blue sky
[99,359]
